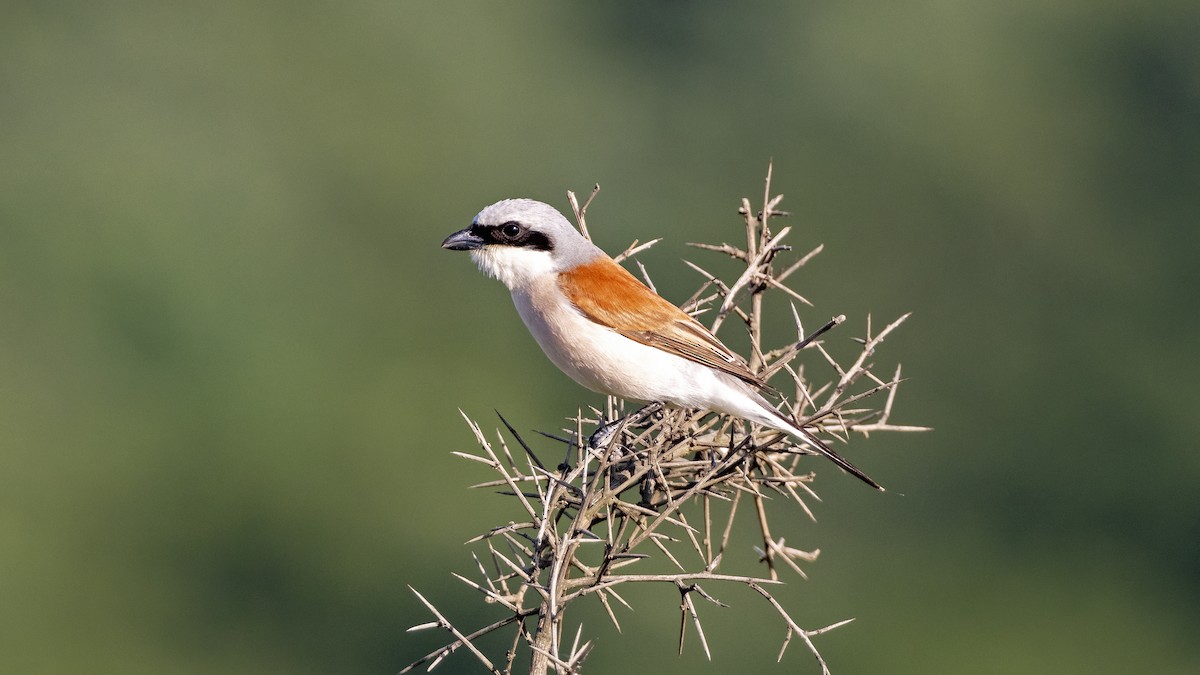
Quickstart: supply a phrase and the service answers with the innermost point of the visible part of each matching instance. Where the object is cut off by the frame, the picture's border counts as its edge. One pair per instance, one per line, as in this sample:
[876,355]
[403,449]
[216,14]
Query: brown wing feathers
[609,295]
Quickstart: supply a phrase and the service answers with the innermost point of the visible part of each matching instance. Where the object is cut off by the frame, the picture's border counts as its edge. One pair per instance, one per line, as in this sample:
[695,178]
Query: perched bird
[607,330]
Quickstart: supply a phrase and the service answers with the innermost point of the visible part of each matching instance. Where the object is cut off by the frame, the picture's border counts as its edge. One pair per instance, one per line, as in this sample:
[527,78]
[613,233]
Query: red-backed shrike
[607,330]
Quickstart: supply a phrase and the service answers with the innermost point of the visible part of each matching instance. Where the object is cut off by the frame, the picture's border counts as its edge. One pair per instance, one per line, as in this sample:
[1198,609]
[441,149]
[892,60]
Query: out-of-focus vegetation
[231,352]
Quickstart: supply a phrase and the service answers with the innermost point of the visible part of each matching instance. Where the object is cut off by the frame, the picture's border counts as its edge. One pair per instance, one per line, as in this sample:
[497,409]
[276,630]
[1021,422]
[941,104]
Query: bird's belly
[605,361]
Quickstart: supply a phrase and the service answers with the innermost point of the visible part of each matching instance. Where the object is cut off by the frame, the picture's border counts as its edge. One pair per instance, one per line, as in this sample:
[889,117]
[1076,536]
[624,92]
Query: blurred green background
[232,353]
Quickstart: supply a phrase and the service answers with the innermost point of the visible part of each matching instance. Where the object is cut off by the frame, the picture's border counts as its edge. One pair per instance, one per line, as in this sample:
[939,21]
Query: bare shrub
[666,484]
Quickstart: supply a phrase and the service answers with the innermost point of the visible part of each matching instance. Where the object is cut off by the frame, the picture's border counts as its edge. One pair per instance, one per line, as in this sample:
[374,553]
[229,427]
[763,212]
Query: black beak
[463,240]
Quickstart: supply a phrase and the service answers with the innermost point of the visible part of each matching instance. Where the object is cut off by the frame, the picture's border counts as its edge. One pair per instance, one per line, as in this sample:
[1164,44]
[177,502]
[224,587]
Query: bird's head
[520,240]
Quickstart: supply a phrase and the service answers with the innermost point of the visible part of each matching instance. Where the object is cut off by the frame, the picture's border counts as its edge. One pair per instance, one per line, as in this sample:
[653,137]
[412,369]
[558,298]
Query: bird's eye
[511,230]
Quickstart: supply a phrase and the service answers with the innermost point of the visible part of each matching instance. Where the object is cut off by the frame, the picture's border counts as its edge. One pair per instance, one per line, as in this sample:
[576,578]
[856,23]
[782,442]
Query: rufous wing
[608,294]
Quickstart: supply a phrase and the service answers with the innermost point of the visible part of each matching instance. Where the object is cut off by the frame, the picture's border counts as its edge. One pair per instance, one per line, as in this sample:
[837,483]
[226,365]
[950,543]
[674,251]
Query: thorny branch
[665,482]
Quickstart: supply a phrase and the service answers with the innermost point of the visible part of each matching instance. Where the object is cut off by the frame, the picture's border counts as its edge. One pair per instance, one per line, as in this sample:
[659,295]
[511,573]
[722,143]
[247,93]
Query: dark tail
[836,458]
[777,420]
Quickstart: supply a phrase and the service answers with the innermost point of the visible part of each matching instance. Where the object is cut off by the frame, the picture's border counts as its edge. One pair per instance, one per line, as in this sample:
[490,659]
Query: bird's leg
[641,415]
[621,463]
[602,436]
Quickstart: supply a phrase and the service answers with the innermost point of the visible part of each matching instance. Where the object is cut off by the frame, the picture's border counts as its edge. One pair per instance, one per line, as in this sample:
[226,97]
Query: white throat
[514,267]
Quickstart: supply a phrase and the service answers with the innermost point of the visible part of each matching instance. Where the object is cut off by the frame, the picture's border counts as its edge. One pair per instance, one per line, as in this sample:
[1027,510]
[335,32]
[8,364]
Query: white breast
[605,361]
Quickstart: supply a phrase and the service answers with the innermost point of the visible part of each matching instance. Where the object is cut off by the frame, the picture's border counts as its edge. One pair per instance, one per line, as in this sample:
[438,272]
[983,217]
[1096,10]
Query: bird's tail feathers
[795,429]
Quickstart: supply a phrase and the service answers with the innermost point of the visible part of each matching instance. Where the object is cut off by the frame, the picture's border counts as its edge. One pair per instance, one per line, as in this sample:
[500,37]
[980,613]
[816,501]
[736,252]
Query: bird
[607,330]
